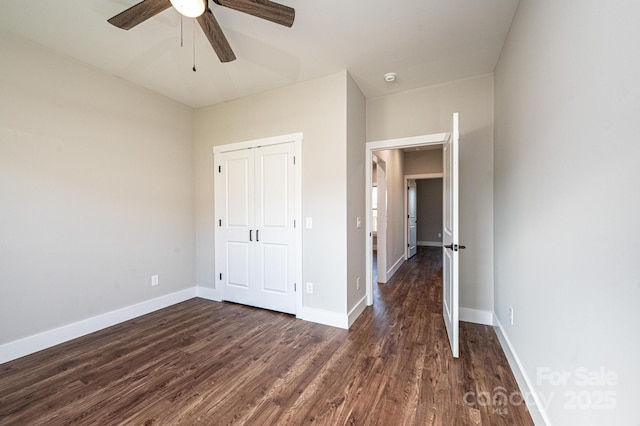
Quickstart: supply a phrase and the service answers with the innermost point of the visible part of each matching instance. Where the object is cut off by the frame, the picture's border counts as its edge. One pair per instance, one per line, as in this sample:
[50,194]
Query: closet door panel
[275,266]
[275,244]
[237,226]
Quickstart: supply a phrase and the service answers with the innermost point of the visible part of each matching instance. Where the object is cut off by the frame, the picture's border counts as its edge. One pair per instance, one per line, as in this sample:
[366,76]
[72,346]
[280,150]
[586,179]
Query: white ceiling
[425,42]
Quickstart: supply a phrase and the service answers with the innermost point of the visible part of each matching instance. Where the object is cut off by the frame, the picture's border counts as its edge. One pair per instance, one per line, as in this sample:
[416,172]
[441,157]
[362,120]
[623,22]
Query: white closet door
[235,184]
[275,234]
[256,188]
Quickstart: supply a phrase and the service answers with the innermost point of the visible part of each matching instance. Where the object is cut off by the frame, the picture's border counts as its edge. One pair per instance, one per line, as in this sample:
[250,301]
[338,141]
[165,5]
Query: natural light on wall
[189,8]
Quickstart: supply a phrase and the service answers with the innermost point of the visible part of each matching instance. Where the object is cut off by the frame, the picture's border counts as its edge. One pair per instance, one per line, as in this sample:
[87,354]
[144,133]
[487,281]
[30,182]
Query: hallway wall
[429,210]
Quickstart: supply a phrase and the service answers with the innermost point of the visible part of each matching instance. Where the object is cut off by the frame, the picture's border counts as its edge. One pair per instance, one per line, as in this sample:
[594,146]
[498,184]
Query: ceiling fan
[199,9]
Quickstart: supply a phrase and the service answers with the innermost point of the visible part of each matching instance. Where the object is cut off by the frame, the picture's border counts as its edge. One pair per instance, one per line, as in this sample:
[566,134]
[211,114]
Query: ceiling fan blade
[216,37]
[265,9]
[139,13]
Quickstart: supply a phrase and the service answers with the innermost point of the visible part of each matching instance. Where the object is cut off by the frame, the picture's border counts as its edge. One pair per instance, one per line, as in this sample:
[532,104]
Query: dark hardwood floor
[207,363]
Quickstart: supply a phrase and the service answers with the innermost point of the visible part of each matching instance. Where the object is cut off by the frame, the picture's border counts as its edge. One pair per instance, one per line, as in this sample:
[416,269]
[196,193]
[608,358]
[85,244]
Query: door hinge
[295,287]
[294,160]
[219,222]
[220,276]
[294,223]
[219,169]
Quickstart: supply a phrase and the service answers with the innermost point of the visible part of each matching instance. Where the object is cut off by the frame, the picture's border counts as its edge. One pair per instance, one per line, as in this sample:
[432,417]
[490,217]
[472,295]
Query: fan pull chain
[181,33]
[194,45]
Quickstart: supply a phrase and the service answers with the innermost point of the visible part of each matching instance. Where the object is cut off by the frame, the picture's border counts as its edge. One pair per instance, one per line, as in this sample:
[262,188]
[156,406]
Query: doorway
[411,142]
[450,228]
[428,215]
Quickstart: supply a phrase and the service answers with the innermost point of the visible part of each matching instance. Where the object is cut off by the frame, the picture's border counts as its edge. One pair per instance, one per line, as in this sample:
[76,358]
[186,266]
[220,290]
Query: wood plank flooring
[208,363]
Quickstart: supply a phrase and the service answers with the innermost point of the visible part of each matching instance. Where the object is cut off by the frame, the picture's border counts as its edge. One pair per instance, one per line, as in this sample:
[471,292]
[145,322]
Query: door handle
[454,247]
[257,235]
[250,234]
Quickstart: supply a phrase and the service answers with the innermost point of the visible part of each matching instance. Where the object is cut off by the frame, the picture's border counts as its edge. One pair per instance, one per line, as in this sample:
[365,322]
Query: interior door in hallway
[256,189]
[412,217]
[450,241]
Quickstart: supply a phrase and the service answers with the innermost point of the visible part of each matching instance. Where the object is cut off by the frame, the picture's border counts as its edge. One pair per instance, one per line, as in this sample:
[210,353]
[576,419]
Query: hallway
[407,311]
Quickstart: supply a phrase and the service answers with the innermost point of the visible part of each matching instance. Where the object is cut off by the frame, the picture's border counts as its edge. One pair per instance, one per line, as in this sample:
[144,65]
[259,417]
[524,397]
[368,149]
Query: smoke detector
[390,77]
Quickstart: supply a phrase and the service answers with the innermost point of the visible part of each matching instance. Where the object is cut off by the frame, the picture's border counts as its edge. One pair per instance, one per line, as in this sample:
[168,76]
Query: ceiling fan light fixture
[190,8]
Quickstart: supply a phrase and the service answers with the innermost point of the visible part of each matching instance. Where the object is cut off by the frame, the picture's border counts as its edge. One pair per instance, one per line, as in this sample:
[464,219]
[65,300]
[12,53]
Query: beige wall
[395,241]
[317,108]
[423,162]
[429,202]
[356,193]
[96,192]
[567,203]
[429,110]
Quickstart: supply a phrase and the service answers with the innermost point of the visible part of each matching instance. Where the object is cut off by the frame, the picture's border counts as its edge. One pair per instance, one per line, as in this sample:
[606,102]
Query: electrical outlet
[358,283]
[154,280]
[309,288]
[511,315]
[309,223]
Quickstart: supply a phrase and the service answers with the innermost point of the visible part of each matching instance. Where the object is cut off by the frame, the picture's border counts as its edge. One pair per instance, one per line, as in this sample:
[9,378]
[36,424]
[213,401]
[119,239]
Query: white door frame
[382,218]
[406,202]
[297,139]
[413,141]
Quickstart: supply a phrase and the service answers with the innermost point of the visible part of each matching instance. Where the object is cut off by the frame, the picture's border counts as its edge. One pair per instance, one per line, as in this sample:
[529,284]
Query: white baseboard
[321,316]
[536,409]
[208,293]
[476,316]
[429,243]
[356,311]
[28,345]
[395,268]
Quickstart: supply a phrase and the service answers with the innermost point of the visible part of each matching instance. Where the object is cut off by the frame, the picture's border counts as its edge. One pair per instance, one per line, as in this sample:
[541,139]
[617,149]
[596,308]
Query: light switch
[309,223]
[358,222]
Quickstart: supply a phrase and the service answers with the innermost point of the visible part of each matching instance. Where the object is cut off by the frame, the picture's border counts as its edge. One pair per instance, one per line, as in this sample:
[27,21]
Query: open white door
[451,247]
[412,218]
